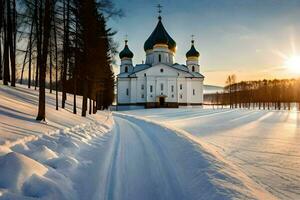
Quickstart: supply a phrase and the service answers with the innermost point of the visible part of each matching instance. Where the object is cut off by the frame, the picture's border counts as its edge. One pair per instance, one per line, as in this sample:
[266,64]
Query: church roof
[176,66]
[160,36]
[192,52]
[126,53]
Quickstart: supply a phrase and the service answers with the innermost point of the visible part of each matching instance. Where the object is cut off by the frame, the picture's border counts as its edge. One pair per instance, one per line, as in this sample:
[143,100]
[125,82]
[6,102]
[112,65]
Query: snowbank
[39,160]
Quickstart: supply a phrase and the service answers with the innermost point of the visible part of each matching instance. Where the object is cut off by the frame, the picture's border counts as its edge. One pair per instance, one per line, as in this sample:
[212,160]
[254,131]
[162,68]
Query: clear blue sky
[250,38]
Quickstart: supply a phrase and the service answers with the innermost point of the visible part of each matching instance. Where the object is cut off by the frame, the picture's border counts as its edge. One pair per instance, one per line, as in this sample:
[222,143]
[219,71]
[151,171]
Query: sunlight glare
[293,64]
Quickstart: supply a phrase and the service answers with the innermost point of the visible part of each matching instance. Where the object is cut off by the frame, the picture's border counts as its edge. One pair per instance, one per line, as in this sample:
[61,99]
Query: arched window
[159,58]
[193,68]
[161,70]
[126,69]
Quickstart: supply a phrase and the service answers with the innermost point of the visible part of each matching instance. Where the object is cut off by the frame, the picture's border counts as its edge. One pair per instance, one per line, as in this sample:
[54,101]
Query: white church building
[159,82]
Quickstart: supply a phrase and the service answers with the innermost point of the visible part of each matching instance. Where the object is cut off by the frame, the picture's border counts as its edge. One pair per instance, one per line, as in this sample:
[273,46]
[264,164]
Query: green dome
[159,36]
[126,53]
[192,52]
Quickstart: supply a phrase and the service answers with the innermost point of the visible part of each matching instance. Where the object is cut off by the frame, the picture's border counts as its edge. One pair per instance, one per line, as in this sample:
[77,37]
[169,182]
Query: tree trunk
[1,35]
[13,45]
[84,98]
[94,107]
[90,106]
[6,74]
[23,67]
[46,35]
[51,65]
[66,50]
[56,66]
[30,57]
[75,92]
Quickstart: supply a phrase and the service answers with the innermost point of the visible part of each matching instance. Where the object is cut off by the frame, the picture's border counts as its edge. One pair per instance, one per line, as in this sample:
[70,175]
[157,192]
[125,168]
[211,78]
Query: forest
[61,45]
[278,94]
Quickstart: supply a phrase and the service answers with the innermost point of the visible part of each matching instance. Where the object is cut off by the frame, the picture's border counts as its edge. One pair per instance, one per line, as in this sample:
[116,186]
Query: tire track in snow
[139,163]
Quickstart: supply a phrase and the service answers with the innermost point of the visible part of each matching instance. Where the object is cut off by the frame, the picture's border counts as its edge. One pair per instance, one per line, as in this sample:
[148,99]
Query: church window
[181,96]
[145,74]
[142,96]
[126,69]
[151,88]
[172,95]
[193,68]
[159,58]
[172,88]
[181,86]
[142,86]
[194,92]
[127,92]
[161,87]
[161,70]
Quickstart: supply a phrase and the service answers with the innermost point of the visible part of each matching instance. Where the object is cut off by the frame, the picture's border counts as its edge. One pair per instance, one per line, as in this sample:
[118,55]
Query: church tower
[160,47]
[192,57]
[126,59]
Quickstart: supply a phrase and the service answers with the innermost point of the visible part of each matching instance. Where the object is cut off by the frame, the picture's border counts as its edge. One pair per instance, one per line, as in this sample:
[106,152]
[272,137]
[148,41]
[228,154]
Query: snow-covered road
[263,144]
[143,160]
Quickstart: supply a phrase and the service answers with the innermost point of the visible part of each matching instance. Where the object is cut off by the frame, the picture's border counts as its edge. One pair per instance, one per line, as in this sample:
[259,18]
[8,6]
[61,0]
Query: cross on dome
[159,7]
[193,36]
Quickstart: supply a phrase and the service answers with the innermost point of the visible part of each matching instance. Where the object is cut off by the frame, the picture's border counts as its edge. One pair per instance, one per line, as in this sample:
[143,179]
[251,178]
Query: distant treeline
[262,94]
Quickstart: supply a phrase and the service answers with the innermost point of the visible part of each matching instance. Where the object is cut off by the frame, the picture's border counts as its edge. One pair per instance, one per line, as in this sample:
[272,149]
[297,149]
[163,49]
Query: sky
[253,39]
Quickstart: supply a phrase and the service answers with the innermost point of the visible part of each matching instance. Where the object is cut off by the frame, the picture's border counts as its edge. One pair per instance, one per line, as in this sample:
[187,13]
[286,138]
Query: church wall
[151,95]
[122,86]
[182,90]
[195,91]
[141,89]
[133,90]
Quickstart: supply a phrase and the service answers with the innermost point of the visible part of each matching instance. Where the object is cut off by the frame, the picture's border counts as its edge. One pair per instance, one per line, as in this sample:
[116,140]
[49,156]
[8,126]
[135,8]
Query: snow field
[262,144]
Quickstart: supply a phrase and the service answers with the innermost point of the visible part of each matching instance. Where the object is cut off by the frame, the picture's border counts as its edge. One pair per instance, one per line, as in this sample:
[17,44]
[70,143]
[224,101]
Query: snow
[262,144]
[39,160]
[145,154]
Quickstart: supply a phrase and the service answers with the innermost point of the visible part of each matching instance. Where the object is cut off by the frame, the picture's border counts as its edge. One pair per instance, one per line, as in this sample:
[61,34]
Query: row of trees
[64,44]
[262,94]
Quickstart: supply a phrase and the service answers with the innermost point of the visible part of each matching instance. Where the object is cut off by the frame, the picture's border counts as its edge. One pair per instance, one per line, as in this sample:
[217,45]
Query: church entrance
[161,101]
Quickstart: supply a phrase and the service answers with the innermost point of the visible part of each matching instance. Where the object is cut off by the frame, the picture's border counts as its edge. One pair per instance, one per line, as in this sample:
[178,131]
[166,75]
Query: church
[159,82]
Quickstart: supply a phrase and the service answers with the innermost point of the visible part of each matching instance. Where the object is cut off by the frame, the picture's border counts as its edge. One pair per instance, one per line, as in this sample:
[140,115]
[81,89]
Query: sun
[293,64]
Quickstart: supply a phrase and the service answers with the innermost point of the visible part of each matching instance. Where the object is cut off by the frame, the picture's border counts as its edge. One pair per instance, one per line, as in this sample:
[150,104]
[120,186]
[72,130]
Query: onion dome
[126,53]
[160,36]
[192,52]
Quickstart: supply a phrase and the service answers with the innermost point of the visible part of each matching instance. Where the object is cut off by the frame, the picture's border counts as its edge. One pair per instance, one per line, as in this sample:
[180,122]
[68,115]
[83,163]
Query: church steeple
[192,52]
[126,59]
[160,36]
[126,53]
[193,58]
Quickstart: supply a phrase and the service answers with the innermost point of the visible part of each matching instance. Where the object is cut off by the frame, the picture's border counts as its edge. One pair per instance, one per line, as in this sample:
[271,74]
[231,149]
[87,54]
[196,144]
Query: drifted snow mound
[65,162]
[43,153]
[24,178]
[42,187]
[16,169]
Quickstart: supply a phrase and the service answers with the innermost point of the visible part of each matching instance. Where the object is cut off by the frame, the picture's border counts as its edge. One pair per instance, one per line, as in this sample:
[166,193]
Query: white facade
[159,82]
